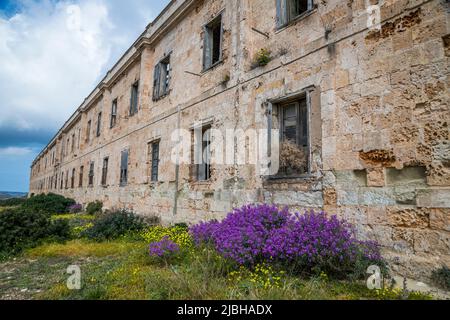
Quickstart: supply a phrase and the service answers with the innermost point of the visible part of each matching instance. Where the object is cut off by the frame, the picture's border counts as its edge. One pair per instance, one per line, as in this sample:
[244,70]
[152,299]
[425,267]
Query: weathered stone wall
[379,120]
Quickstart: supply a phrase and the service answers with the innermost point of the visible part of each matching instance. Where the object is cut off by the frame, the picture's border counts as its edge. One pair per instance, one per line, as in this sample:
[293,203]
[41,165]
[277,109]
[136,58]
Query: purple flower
[163,248]
[75,208]
[254,234]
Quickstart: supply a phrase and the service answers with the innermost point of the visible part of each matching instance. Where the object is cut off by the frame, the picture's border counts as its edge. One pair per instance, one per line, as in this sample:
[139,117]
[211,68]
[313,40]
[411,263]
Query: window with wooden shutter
[161,79]
[99,124]
[134,99]
[288,10]
[294,137]
[113,119]
[91,174]
[155,161]
[124,168]
[105,171]
[212,46]
[203,166]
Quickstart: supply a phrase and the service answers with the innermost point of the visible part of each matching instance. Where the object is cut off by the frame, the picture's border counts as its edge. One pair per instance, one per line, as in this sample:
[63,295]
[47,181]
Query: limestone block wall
[379,115]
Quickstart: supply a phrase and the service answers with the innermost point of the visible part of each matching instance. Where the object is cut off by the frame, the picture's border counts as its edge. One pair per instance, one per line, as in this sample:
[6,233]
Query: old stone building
[357,88]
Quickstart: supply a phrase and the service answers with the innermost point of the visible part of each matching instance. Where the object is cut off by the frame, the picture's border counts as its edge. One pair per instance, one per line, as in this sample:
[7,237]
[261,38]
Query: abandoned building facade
[358,90]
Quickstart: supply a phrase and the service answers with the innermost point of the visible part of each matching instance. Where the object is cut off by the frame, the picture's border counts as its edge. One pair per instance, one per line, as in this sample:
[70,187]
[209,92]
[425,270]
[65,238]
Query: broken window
[88,131]
[153,148]
[124,168]
[134,98]
[161,79]
[105,171]
[202,156]
[80,181]
[212,47]
[72,179]
[291,118]
[113,114]
[288,10]
[99,124]
[91,174]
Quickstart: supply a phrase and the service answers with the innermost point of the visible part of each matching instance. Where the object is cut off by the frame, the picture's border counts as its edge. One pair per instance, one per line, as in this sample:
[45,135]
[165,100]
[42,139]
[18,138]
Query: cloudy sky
[53,53]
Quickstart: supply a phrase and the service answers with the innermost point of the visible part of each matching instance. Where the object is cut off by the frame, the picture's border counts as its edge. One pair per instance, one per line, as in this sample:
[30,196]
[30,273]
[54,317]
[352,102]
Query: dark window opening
[80,181]
[105,171]
[134,98]
[212,50]
[113,114]
[72,179]
[203,161]
[91,174]
[88,131]
[99,124]
[124,168]
[161,79]
[288,10]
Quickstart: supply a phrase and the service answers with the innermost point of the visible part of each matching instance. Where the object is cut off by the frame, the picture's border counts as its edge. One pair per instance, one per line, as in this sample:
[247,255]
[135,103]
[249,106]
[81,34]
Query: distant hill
[9,195]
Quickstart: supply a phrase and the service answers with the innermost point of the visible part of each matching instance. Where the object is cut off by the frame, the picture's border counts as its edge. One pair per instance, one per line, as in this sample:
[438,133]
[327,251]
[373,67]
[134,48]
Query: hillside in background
[9,195]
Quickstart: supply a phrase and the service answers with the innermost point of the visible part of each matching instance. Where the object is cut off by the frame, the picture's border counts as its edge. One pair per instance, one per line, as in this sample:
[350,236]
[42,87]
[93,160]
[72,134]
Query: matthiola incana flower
[163,248]
[264,233]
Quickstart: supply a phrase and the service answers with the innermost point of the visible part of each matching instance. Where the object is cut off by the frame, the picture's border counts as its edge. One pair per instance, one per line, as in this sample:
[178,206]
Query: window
[212,48]
[67,146]
[161,79]
[72,181]
[99,124]
[105,171]
[134,98]
[294,138]
[113,114]
[91,174]
[153,150]
[80,181]
[124,168]
[67,180]
[88,131]
[203,154]
[288,10]
[73,143]
[61,181]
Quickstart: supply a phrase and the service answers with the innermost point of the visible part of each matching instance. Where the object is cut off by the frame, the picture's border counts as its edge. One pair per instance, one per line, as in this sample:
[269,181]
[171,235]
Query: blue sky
[53,54]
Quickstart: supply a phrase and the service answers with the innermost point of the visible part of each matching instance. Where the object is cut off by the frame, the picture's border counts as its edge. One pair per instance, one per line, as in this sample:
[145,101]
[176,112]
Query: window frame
[123,179]
[80,177]
[208,64]
[154,167]
[113,119]
[99,124]
[203,172]
[105,171]
[282,101]
[286,14]
[158,75]
[134,98]
[91,174]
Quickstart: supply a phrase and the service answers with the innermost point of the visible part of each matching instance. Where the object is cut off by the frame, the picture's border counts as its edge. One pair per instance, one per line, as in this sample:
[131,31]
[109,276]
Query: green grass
[122,269]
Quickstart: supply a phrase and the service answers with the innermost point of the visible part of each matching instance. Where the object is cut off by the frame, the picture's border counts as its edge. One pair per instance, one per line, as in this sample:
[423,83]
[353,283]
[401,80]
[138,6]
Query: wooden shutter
[207,50]
[155,161]
[156,81]
[303,123]
[281,13]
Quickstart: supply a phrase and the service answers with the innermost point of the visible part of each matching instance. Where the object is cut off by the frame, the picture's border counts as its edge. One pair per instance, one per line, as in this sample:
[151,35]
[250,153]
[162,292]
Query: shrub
[75,208]
[12,202]
[165,248]
[114,225]
[262,58]
[50,203]
[20,229]
[310,243]
[94,207]
[441,277]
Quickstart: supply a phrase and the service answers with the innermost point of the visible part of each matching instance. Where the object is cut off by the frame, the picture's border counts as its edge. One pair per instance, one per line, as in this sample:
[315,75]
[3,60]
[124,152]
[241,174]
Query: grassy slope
[122,270]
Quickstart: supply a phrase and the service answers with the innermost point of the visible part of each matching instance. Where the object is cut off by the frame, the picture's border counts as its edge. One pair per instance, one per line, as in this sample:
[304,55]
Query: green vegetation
[122,257]
[13,202]
[49,203]
[95,207]
[441,277]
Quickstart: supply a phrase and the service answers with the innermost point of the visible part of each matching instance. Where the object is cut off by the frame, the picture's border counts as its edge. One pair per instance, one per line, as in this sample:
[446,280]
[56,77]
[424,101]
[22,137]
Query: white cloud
[15,151]
[54,53]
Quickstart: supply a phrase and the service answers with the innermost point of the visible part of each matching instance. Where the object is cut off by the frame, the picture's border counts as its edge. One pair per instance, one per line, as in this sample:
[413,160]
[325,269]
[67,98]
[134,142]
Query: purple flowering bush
[165,249]
[302,243]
